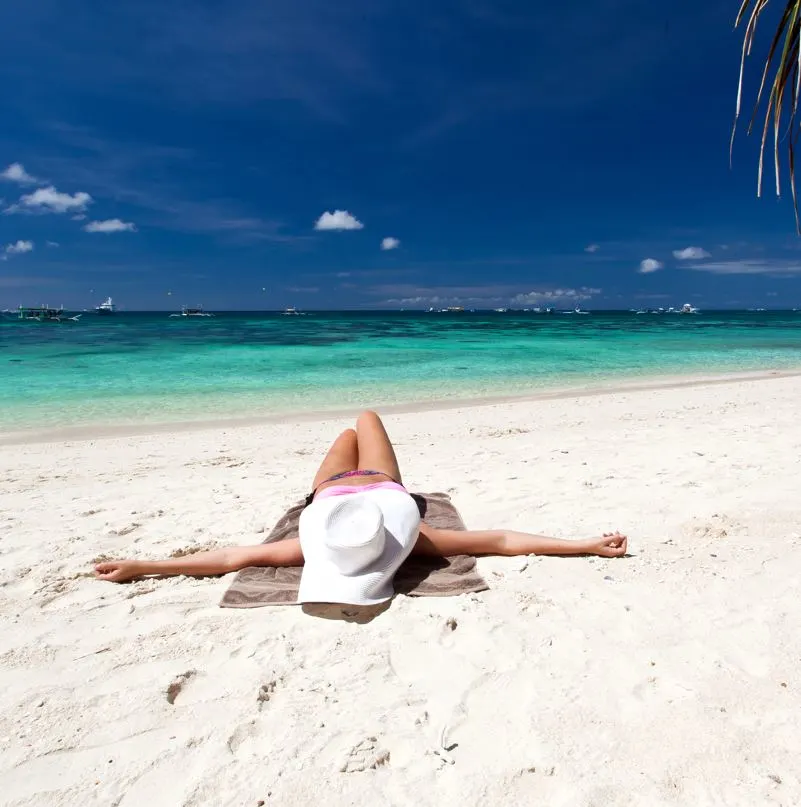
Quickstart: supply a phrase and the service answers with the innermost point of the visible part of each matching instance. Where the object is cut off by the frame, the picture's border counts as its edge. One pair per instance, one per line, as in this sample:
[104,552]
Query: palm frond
[783,98]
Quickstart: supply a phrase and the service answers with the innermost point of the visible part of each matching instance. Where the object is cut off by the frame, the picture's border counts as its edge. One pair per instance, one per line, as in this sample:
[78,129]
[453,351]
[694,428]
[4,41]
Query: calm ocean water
[148,367]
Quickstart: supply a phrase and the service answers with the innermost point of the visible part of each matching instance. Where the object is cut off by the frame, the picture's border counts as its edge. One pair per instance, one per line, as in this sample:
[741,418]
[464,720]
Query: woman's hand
[610,545]
[118,571]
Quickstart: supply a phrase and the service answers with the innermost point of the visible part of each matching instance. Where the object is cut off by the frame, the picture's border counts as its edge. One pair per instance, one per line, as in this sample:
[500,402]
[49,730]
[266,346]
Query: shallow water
[147,367]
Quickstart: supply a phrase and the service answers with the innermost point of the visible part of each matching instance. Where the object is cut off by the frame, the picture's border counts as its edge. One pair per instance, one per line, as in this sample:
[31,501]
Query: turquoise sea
[148,367]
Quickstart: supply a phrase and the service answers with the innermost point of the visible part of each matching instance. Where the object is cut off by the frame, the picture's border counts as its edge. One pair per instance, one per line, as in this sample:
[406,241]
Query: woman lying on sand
[359,526]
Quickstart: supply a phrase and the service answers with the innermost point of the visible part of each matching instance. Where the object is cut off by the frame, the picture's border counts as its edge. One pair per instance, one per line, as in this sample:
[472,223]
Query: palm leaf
[783,97]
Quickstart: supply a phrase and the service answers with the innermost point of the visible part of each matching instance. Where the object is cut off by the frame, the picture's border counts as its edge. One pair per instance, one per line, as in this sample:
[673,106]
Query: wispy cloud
[552,79]
[134,174]
[406,294]
[52,243]
[690,254]
[18,248]
[592,248]
[23,282]
[338,220]
[650,265]
[773,268]
[310,57]
[555,296]
[110,226]
[316,56]
[16,173]
[49,200]
[390,243]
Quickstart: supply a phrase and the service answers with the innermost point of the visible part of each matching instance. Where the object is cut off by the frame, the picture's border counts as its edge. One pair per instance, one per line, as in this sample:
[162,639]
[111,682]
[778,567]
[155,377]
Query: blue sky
[257,155]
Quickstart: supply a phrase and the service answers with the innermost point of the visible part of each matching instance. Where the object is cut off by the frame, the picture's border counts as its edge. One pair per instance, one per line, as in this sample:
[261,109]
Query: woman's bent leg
[342,456]
[375,449]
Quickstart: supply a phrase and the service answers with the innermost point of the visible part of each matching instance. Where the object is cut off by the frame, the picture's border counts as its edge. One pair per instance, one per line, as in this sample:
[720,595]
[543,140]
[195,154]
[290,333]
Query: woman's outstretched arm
[442,543]
[217,561]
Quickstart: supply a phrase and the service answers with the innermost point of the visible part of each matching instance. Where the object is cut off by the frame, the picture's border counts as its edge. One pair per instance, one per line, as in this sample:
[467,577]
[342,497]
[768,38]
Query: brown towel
[418,576]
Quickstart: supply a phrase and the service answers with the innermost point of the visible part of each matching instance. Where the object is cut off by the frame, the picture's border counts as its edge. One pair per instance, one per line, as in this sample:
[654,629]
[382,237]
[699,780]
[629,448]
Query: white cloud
[478,296]
[390,243]
[592,248]
[19,247]
[690,254]
[338,220]
[16,173]
[49,200]
[650,265]
[420,300]
[485,296]
[776,268]
[555,296]
[52,243]
[110,226]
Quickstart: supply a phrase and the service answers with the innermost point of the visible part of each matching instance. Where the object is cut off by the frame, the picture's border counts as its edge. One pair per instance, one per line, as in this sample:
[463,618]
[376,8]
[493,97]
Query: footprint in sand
[126,530]
[715,528]
[266,692]
[367,755]
[242,734]
[177,685]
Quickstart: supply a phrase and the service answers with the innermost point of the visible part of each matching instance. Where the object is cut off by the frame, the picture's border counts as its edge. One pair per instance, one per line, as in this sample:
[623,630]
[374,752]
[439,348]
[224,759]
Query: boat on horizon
[106,307]
[196,311]
[292,312]
[688,309]
[44,313]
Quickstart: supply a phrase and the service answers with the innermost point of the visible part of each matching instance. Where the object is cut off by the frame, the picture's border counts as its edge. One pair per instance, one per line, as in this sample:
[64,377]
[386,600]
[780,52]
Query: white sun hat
[353,545]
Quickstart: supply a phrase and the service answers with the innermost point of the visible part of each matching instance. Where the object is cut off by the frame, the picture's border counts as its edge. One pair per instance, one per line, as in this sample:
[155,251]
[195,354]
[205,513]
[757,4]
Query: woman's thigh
[342,456]
[375,449]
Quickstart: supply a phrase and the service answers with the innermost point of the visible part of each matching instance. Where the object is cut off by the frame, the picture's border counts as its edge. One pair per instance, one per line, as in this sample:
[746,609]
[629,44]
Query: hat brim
[323,582]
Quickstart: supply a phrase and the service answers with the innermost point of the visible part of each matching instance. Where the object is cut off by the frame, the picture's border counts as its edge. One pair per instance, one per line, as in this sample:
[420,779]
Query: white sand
[670,677]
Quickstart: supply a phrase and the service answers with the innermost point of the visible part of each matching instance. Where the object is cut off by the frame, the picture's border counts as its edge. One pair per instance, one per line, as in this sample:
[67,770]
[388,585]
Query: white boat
[500,310]
[197,311]
[688,309]
[291,312]
[106,307]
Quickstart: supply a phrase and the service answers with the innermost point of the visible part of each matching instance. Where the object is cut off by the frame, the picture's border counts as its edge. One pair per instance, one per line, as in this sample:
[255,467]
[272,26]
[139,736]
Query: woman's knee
[367,416]
[346,441]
